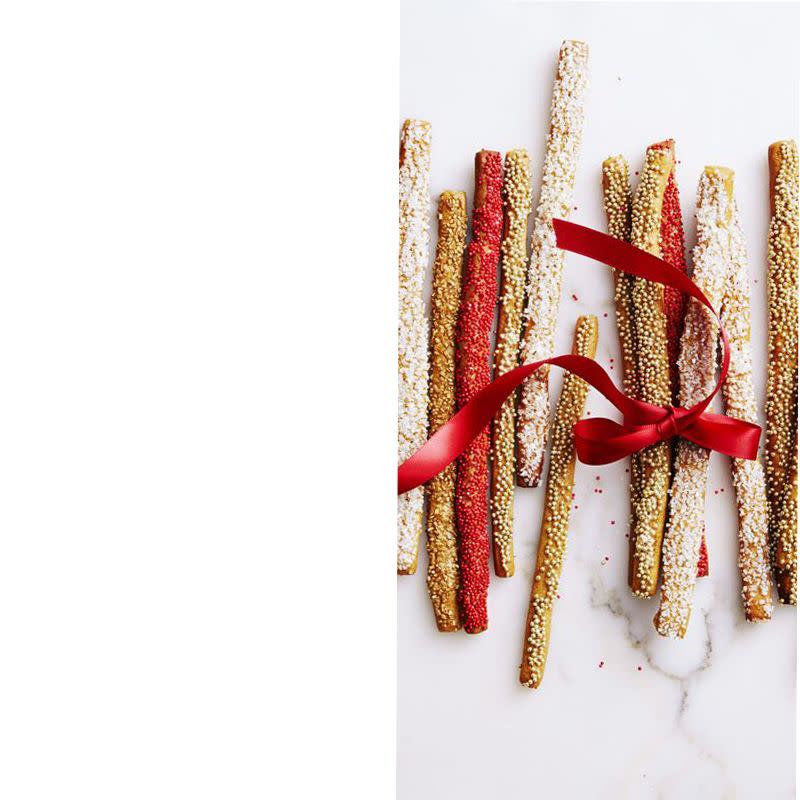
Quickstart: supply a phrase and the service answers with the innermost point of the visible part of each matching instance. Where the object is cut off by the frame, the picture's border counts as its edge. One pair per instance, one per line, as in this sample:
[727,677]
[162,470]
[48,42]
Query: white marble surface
[712,716]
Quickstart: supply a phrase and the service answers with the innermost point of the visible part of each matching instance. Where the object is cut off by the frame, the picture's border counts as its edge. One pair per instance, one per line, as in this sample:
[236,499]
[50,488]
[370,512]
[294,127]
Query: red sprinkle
[702,562]
[600,665]
[476,312]
[574,297]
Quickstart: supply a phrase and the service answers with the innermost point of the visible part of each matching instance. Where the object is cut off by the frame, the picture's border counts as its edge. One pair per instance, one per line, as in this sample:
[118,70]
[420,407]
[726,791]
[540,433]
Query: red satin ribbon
[597,441]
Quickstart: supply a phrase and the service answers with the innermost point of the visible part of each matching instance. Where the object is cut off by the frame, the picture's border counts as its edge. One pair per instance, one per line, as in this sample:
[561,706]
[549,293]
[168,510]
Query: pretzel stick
[547,261]
[781,407]
[697,366]
[442,546]
[739,396]
[475,317]
[555,516]
[412,348]
[650,487]
[517,207]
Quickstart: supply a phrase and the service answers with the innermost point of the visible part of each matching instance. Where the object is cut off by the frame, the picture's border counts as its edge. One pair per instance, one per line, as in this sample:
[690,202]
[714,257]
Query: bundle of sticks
[463,299]
[666,540]
[669,347]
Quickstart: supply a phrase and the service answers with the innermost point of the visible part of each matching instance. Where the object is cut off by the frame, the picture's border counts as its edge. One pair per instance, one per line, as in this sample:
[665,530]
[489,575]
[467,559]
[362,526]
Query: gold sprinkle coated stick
[555,516]
[650,481]
[517,208]
[781,407]
[447,271]
[617,204]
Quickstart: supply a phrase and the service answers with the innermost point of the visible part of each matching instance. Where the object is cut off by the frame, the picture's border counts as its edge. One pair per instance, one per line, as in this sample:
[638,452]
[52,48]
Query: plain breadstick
[475,317]
[517,207]
[555,516]
[442,546]
[547,261]
[781,407]
[650,485]
[412,344]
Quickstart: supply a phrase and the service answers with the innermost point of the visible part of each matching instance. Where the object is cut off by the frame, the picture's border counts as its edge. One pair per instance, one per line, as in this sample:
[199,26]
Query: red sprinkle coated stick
[673,251]
[473,354]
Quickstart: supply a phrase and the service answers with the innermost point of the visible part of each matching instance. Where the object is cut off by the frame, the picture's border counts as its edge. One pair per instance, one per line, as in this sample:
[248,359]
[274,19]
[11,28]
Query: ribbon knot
[597,440]
[668,425]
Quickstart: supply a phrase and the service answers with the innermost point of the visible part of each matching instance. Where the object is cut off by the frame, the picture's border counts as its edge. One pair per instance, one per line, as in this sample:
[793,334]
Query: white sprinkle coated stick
[412,339]
[547,261]
[714,271]
[445,296]
[739,396]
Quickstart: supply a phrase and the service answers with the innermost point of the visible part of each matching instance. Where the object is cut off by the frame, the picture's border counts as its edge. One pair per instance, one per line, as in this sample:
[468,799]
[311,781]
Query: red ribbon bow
[597,441]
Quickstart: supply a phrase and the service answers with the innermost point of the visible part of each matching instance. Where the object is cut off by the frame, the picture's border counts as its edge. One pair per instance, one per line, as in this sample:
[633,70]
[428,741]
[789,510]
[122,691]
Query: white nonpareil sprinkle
[412,343]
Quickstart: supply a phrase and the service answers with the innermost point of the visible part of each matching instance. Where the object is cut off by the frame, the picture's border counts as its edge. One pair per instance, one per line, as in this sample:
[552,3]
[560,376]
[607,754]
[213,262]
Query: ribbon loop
[597,440]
